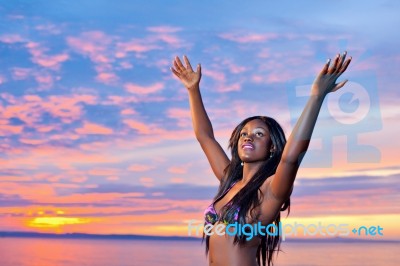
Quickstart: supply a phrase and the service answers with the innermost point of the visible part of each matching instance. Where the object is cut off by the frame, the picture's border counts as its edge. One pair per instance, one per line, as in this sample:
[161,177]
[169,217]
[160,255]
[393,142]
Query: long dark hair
[248,197]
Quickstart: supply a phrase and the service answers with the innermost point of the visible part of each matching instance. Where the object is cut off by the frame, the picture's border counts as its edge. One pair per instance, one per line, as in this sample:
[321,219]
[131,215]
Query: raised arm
[201,123]
[297,144]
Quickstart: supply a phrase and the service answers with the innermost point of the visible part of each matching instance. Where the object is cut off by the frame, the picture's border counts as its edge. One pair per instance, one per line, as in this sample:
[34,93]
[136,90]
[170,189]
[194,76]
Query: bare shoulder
[270,205]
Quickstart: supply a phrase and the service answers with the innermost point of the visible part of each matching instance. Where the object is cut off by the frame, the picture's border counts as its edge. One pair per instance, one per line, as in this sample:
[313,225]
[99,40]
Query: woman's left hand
[326,79]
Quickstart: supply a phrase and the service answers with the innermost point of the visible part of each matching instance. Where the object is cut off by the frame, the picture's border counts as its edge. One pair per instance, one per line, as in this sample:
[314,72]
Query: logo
[350,112]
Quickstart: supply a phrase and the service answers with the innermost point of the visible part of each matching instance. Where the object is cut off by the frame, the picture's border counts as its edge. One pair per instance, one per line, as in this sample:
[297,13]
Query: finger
[176,73]
[345,65]
[335,64]
[179,69]
[339,85]
[340,65]
[178,61]
[188,66]
[326,67]
[199,69]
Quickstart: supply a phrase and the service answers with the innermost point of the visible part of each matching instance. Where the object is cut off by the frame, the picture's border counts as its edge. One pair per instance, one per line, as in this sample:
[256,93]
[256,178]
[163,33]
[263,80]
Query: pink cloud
[32,98]
[164,29]
[181,169]
[39,57]
[92,44]
[11,38]
[20,73]
[170,39]
[142,128]
[214,74]
[6,130]
[51,61]
[235,69]
[248,37]
[21,111]
[32,141]
[140,168]
[104,171]
[177,180]
[91,128]
[228,87]
[107,78]
[45,80]
[97,46]
[143,90]
[181,115]
[128,111]
[137,46]
[126,65]
[67,108]
[35,157]
[147,181]
[113,178]
[45,128]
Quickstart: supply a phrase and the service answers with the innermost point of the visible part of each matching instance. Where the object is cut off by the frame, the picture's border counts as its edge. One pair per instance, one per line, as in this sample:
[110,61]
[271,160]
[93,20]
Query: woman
[256,184]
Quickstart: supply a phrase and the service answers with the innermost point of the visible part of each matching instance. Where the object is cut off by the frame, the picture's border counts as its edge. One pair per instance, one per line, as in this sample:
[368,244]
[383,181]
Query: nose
[248,138]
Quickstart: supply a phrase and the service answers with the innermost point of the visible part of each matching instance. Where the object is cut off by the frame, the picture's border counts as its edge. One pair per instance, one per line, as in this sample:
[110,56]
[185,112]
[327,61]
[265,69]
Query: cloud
[12,200]
[182,116]
[214,74]
[11,38]
[45,80]
[30,108]
[98,47]
[6,130]
[49,28]
[135,45]
[144,90]
[93,44]
[104,171]
[92,128]
[107,78]
[32,141]
[19,73]
[147,181]
[164,29]
[177,169]
[140,167]
[248,37]
[47,61]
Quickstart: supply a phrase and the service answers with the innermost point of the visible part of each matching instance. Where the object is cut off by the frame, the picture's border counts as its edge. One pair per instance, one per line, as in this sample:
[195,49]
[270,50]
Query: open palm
[185,74]
[325,82]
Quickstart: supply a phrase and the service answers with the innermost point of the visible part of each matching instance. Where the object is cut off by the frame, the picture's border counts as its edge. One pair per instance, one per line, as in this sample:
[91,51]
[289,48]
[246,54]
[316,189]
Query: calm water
[68,252]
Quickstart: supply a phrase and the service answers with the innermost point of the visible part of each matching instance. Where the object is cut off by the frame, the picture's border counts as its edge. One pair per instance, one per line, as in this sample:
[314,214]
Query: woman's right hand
[186,75]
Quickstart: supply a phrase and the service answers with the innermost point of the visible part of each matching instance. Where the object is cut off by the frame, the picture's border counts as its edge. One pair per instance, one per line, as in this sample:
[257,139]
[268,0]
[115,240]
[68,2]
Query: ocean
[106,252]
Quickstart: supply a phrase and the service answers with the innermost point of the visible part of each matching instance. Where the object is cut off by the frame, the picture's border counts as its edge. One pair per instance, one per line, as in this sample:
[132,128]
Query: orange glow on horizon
[51,222]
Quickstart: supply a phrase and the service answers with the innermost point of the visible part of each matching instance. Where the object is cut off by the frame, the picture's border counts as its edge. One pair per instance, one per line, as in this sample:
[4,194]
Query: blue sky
[93,123]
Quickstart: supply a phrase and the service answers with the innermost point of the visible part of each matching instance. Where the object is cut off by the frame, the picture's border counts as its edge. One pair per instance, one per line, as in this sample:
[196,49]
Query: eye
[243,134]
[260,134]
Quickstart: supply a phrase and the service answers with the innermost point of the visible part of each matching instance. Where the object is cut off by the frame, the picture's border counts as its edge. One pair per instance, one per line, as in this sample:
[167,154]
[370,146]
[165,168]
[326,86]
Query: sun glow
[46,222]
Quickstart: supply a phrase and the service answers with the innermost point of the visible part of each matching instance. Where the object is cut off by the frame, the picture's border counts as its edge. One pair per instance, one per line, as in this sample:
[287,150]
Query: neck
[249,170]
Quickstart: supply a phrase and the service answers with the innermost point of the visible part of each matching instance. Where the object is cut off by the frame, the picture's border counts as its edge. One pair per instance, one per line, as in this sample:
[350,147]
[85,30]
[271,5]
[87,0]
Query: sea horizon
[78,235]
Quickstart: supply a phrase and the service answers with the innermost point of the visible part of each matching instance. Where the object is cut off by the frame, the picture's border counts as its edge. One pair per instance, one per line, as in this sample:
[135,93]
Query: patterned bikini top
[211,216]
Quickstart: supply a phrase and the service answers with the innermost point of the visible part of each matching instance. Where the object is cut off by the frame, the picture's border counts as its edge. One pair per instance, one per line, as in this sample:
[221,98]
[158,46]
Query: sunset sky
[96,135]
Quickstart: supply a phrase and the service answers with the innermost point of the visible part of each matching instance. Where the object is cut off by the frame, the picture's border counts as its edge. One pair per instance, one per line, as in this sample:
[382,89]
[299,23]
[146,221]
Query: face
[254,142]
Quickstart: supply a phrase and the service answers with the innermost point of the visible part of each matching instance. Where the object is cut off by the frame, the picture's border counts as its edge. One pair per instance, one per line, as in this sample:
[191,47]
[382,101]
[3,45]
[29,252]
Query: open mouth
[247,146]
